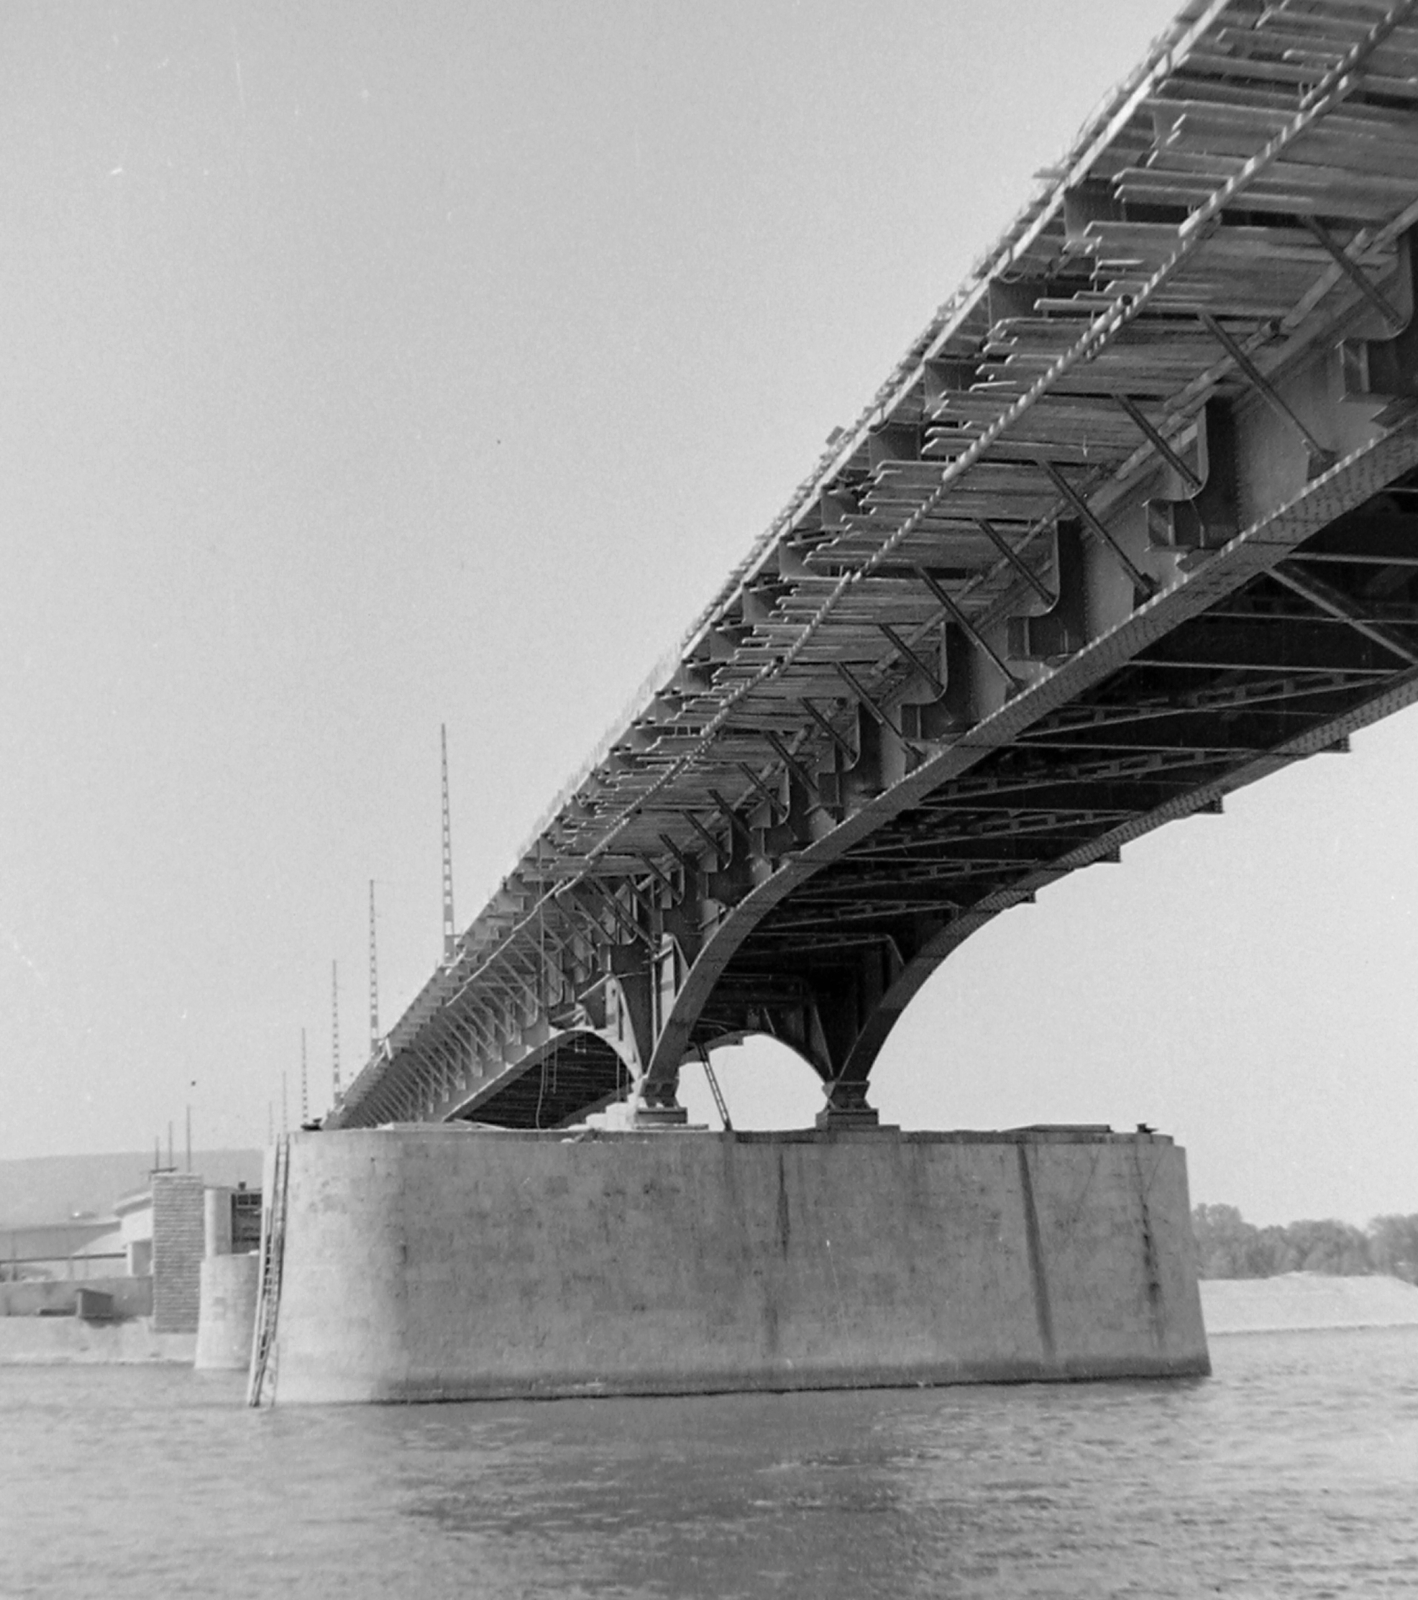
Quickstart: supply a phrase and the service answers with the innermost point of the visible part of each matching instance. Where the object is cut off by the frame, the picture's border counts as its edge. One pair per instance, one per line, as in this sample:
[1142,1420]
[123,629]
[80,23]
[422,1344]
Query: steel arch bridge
[1132,524]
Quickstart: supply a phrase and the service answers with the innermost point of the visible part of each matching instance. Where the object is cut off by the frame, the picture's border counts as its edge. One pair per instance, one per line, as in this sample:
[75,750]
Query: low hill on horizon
[44,1189]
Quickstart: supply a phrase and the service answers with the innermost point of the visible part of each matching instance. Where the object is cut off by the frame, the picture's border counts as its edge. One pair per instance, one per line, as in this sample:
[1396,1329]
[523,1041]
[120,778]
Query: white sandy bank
[1306,1300]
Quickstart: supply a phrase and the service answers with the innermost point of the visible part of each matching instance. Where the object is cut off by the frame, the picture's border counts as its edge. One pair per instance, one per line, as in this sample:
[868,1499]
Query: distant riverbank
[1303,1300]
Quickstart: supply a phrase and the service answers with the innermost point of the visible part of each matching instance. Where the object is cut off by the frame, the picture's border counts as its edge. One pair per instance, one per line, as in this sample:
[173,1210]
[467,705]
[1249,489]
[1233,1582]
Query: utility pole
[335,1023]
[449,935]
[373,978]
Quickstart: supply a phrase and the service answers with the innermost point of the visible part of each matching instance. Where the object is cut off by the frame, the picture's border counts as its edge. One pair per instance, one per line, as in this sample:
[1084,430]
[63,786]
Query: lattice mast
[449,936]
[304,1083]
[335,1024]
[373,977]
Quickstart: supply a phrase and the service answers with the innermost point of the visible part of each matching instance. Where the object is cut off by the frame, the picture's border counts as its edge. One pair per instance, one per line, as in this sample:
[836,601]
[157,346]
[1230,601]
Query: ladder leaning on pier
[719,1103]
[261,1384]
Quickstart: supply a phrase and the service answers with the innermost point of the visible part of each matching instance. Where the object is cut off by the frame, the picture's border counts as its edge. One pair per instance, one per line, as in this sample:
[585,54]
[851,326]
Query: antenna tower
[304,1084]
[335,1022]
[449,936]
[373,978]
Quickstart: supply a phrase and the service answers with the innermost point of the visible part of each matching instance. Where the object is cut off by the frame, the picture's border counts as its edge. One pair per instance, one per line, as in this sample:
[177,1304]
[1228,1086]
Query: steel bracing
[1133,523]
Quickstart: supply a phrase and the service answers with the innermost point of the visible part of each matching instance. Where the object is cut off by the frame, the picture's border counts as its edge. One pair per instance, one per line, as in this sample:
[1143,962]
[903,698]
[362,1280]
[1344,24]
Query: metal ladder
[261,1385]
[714,1089]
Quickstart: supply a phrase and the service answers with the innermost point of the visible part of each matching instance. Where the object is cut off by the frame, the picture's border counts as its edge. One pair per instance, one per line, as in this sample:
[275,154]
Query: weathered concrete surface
[431,1263]
[228,1312]
[65,1341]
[216,1221]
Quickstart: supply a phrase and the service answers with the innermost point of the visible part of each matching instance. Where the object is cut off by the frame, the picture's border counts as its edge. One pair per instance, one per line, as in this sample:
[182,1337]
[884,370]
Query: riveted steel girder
[1134,523]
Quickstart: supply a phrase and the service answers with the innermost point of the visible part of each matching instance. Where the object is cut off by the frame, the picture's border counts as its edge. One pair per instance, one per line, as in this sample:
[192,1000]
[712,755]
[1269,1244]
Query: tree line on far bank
[1230,1247]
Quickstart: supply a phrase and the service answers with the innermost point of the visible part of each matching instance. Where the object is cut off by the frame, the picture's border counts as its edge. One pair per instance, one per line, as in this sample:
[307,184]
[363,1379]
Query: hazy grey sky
[368,366]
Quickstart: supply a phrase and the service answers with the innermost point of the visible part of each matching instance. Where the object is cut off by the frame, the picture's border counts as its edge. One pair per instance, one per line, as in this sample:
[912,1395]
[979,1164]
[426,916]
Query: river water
[1292,1472]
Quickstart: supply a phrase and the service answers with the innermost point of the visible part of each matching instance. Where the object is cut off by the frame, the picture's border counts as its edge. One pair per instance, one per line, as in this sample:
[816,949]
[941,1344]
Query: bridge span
[1133,523]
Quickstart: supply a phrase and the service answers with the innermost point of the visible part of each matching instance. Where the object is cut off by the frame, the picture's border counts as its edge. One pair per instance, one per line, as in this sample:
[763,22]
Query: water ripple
[1292,1472]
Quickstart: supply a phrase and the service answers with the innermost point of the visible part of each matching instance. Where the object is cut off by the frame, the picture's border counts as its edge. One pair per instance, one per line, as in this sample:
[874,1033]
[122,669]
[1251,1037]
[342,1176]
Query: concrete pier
[426,1263]
[228,1312]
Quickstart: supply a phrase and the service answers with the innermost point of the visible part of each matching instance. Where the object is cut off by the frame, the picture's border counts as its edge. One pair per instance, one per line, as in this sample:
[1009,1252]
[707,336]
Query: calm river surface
[1293,1471]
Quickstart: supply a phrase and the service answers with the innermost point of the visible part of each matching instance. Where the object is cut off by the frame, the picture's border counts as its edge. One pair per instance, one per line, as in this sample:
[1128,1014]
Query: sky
[366,368]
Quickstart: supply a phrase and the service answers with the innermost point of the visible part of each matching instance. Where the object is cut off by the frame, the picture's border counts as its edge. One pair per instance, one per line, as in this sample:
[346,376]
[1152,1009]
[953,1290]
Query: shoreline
[69,1341]
[1306,1302]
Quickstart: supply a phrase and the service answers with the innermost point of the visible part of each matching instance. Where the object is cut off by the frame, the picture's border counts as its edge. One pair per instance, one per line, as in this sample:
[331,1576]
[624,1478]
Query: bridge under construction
[1133,523]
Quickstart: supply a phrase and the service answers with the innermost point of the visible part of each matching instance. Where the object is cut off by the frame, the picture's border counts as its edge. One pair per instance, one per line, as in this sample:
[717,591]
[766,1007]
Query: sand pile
[1306,1300]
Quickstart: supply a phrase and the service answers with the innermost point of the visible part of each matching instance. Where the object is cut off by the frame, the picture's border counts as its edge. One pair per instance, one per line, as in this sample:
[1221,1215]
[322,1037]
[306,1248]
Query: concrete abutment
[432,1262]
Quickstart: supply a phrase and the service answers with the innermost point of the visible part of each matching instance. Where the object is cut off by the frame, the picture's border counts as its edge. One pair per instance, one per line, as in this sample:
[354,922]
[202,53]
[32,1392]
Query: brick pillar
[179,1239]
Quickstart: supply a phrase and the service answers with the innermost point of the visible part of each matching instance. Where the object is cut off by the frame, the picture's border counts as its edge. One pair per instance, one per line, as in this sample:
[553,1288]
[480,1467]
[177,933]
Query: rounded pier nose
[228,1312]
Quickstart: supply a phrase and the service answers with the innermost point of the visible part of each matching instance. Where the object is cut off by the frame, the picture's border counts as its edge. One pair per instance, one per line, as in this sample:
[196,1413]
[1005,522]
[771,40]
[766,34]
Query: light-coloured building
[146,1259]
[135,1227]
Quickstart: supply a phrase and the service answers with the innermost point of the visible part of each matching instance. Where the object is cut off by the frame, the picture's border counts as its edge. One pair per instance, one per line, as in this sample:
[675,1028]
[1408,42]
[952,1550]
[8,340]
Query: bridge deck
[1133,523]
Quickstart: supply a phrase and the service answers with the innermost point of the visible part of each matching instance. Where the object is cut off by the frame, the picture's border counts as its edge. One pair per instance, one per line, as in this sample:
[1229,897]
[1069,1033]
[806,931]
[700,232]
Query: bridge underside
[1287,665]
[573,1074]
[1132,525]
